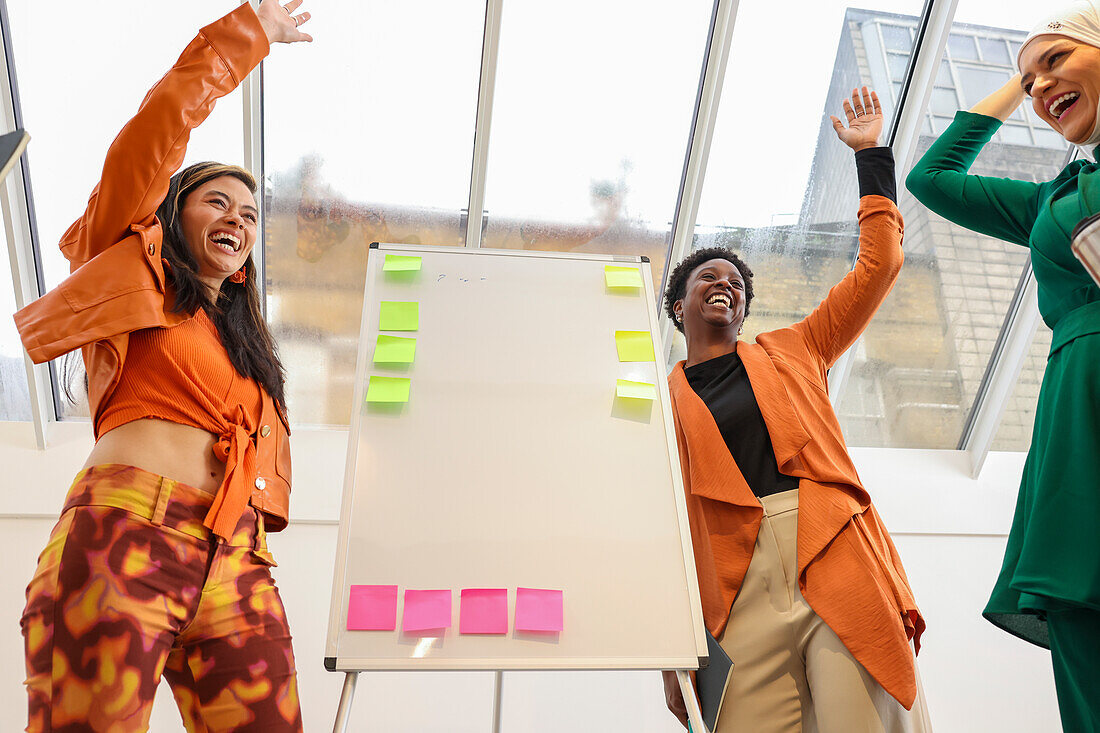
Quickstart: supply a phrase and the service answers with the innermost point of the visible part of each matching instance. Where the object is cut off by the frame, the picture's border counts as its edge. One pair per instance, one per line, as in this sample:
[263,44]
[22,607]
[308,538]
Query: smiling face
[714,298]
[1062,77]
[219,220]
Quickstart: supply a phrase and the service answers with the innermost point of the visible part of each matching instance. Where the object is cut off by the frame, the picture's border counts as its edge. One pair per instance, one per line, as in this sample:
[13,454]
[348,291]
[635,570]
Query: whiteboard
[513,464]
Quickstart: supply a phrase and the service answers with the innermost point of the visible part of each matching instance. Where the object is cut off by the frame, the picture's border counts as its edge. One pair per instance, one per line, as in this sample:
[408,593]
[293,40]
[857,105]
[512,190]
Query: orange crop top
[183,374]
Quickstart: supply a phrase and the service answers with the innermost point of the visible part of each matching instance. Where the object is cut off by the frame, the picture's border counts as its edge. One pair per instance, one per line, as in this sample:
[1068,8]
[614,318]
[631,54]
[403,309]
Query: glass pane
[944,101]
[66,154]
[1048,138]
[898,64]
[377,149]
[587,151]
[977,82]
[1013,135]
[781,190]
[1014,432]
[943,75]
[15,401]
[922,359]
[994,50]
[897,37]
[961,47]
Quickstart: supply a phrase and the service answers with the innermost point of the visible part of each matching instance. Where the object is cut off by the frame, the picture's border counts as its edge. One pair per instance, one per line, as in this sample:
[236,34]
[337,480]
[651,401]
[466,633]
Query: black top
[724,387]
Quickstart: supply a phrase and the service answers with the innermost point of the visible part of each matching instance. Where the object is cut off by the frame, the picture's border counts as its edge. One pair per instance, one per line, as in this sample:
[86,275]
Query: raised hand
[280,23]
[864,121]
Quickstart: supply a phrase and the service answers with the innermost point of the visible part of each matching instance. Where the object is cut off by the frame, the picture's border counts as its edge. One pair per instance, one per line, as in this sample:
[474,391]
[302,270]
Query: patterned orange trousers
[132,586]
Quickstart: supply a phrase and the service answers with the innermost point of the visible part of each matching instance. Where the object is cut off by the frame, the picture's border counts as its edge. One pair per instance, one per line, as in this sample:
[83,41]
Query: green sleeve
[1000,207]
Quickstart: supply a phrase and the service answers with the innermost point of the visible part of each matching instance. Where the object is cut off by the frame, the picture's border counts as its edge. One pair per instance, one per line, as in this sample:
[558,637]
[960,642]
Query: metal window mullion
[1006,363]
[19,234]
[698,151]
[916,91]
[931,42]
[490,47]
[252,101]
[25,283]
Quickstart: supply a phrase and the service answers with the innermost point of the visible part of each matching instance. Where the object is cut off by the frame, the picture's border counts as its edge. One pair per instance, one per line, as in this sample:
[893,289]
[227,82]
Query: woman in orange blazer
[158,565]
[799,580]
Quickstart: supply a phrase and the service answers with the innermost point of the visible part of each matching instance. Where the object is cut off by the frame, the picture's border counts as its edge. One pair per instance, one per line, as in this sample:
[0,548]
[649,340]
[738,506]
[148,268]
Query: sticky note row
[631,345]
[395,316]
[481,610]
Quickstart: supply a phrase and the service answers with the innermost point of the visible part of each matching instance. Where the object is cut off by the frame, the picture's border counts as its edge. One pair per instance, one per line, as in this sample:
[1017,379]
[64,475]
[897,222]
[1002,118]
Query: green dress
[1053,556]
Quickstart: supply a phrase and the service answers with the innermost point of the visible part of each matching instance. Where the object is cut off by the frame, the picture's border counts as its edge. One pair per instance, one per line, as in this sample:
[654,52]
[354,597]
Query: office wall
[949,528]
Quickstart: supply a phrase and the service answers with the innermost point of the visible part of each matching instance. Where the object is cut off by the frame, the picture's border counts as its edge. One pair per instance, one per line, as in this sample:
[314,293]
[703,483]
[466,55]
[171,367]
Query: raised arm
[845,312]
[152,145]
[1000,207]
[851,304]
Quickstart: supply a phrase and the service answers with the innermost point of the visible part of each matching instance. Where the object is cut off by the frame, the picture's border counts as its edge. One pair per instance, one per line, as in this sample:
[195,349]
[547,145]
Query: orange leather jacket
[848,569]
[118,280]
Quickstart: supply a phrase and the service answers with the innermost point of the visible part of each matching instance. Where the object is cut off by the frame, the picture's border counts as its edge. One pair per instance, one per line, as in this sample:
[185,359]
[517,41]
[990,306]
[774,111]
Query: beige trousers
[791,672]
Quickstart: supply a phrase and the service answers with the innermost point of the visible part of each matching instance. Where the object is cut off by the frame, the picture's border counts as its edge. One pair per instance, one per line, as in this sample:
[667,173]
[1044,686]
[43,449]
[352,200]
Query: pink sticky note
[426,609]
[372,608]
[538,609]
[483,611]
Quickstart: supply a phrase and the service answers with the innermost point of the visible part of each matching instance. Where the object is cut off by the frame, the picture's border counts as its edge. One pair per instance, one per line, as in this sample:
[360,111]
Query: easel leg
[346,695]
[695,715]
[497,682]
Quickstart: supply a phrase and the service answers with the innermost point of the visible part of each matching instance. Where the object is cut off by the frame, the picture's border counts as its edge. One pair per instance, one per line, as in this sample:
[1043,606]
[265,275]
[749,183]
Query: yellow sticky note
[395,315]
[394,350]
[401,263]
[635,390]
[388,389]
[634,346]
[622,277]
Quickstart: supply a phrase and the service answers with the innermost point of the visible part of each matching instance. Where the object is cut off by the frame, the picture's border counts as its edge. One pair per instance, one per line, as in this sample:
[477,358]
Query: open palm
[864,115]
[281,22]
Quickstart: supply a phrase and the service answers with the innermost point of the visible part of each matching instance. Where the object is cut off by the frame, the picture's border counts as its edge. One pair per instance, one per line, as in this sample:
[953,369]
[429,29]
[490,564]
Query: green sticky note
[635,390]
[634,346]
[622,277]
[394,350]
[401,263]
[388,389]
[395,315]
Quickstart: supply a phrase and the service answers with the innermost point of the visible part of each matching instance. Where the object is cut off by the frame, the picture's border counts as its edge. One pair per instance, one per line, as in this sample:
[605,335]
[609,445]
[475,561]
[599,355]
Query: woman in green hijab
[1048,591]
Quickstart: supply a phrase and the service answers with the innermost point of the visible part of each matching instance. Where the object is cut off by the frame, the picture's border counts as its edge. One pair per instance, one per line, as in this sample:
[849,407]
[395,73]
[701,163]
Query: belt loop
[163,494]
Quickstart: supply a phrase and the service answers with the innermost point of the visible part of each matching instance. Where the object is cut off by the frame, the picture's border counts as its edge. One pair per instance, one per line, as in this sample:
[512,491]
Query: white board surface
[513,464]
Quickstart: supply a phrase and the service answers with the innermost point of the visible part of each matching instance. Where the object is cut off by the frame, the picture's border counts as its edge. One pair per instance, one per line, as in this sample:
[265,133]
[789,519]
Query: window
[386,159]
[587,151]
[15,401]
[72,130]
[925,354]
[961,47]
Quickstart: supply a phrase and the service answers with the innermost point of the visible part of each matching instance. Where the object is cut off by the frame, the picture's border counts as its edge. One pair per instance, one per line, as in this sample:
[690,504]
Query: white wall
[949,529]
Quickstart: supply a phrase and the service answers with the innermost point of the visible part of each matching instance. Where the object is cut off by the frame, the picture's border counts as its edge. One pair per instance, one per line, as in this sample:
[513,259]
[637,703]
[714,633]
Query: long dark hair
[237,314]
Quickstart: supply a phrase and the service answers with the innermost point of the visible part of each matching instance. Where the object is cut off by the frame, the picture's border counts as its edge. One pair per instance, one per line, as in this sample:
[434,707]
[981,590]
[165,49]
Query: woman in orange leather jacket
[799,580]
[158,564]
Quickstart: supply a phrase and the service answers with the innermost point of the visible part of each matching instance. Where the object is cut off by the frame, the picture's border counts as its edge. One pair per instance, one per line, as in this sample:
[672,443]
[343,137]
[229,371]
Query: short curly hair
[677,281]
